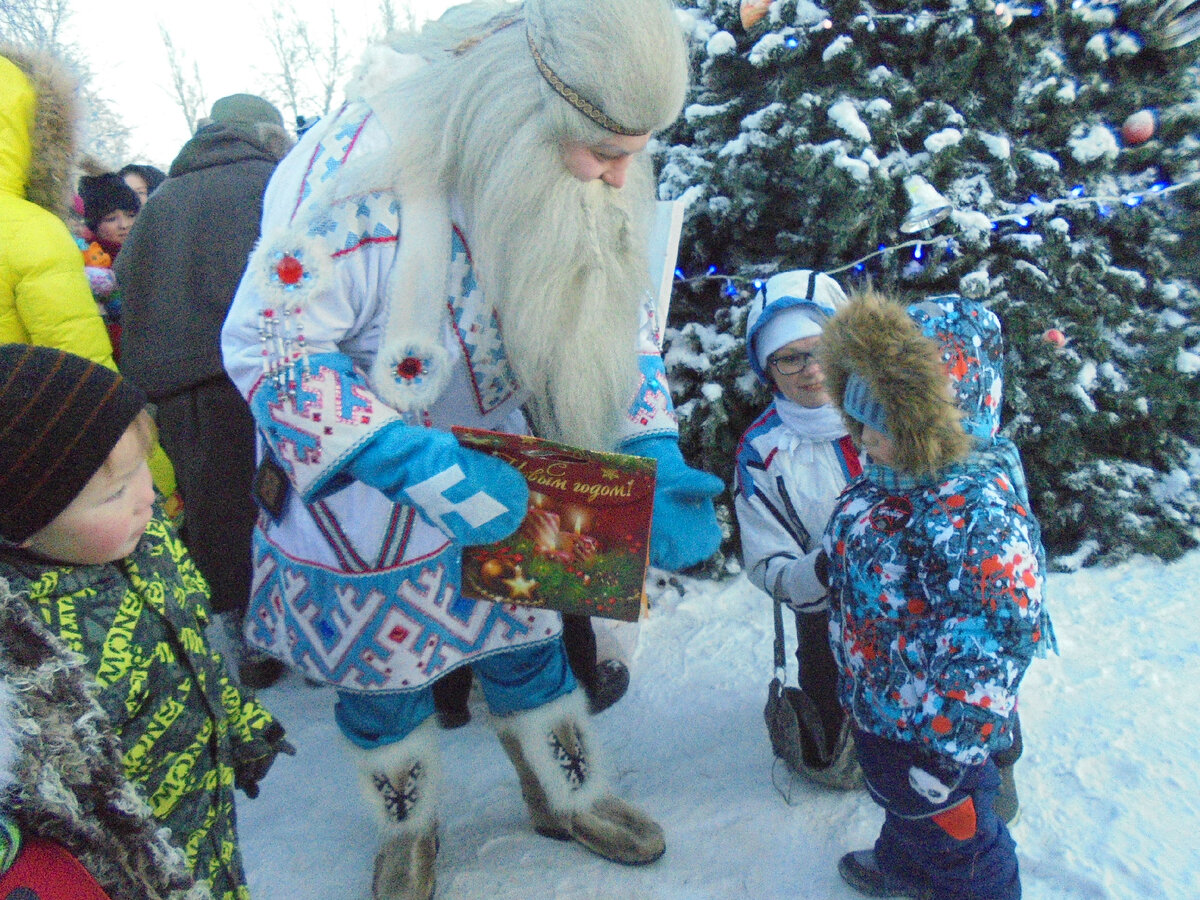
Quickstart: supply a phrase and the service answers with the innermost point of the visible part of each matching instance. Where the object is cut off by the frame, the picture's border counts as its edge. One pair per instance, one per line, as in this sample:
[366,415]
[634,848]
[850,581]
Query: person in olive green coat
[84,541]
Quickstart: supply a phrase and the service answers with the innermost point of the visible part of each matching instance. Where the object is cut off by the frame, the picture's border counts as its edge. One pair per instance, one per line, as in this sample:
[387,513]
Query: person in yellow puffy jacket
[44,294]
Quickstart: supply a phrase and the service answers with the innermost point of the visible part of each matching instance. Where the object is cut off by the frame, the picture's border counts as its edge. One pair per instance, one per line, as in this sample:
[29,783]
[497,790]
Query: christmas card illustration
[584,543]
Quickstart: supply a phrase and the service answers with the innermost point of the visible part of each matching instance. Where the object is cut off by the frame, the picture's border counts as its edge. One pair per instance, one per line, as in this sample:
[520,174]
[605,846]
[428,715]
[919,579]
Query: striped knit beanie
[863,406]
[60,416]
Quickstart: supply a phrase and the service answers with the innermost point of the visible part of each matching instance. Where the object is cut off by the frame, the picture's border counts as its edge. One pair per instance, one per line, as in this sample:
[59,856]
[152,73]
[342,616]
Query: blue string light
[1077,197]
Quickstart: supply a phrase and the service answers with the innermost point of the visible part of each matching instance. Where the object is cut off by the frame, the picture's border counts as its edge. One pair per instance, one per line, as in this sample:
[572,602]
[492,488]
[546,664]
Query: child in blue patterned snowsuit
[935,572]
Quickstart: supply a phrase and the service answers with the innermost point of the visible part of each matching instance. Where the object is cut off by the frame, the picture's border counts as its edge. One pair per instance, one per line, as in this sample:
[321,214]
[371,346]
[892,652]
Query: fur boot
[400,782]
[554,755]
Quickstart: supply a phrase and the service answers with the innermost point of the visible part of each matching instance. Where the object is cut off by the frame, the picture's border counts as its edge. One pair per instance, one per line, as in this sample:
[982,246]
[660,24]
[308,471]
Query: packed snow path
[1109,781]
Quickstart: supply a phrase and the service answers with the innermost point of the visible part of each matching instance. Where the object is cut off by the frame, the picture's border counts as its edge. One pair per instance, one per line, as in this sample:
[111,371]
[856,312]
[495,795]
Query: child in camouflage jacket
[85,544]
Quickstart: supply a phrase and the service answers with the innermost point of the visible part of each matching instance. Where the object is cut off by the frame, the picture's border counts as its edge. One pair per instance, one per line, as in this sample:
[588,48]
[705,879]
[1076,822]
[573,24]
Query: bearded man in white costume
[462,243]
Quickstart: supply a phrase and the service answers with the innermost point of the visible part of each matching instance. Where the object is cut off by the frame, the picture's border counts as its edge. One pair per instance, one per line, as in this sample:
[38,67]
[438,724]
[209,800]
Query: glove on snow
[472,497]
[684,530]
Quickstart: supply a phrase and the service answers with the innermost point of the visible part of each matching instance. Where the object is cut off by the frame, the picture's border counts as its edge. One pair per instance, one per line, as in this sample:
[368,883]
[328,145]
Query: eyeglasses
[793,363]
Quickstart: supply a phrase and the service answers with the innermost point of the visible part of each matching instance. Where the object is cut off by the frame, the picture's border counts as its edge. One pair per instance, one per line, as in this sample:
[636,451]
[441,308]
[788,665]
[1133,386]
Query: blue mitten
[474,498]
[684,530]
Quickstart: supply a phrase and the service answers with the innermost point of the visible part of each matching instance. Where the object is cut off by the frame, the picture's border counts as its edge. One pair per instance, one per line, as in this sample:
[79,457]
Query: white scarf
[823,423]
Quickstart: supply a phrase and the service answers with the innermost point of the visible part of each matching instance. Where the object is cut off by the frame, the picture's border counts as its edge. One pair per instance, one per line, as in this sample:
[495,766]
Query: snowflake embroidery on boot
[401,796]
[574,764]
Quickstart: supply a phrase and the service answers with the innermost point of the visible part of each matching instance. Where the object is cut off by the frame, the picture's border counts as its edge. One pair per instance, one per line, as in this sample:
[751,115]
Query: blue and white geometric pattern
[479,334]
[387,630]
[315,426]
[652,413]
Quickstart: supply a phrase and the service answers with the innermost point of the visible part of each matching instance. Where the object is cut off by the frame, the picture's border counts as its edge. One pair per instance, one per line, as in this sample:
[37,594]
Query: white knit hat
[789,306]
[787,325]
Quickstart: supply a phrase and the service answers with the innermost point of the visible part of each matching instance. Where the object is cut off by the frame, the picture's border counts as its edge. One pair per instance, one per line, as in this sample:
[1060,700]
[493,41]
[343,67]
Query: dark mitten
[821,568]
[248,772]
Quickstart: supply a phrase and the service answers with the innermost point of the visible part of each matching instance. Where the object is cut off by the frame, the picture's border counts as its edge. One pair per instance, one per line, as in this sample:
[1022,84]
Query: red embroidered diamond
[410,367]
[290,270]
[398,634]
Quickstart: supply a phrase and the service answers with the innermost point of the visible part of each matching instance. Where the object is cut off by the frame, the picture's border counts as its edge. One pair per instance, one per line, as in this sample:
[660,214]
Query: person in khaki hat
[86,546]
[178,272]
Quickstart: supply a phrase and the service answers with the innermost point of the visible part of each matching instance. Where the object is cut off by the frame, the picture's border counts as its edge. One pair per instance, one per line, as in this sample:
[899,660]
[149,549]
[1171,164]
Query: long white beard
[564,263]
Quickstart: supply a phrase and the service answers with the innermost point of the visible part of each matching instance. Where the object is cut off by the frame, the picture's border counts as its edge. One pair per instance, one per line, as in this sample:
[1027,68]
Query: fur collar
[67,779]
[53,136]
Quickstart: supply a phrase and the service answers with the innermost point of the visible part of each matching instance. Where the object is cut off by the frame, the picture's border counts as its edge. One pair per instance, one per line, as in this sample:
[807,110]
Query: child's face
[108,517]
[878,446]
[805,385]
[114,228]
[138,185]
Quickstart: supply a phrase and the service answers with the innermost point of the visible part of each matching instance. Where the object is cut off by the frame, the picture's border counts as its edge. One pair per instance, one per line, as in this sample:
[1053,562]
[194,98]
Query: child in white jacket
[792,463]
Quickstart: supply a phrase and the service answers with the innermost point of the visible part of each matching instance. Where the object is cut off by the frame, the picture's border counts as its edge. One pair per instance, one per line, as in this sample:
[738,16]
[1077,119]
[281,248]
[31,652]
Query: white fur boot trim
[400,781]
[557,744]
[554,754]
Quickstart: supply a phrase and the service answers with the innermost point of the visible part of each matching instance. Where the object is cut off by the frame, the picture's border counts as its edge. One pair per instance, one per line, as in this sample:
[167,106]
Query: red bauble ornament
[290,270]
[752,11]
[1138,128]
[1055,337]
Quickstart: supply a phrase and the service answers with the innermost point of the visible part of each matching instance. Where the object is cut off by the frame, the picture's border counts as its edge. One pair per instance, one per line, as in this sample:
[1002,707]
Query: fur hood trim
[52,139]
[67,781]
[875,338]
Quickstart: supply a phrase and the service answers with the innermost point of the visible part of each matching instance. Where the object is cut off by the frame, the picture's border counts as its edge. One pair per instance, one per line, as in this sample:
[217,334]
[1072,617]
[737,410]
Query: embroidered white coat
[348,587]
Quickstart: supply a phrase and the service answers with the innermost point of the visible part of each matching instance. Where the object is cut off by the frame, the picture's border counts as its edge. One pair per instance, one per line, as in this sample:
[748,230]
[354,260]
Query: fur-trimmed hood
[876,338]
[38,120]
[60,764]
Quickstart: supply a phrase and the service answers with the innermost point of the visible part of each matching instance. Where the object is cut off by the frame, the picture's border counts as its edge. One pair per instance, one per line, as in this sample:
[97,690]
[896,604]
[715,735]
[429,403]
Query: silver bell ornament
[926,206]
[1174,24]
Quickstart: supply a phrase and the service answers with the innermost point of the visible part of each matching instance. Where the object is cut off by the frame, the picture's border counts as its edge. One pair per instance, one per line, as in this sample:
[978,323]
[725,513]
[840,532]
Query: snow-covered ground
[1109,781]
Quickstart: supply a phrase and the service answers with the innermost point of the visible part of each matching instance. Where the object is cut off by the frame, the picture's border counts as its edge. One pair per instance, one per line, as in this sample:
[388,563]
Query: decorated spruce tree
[1044,158]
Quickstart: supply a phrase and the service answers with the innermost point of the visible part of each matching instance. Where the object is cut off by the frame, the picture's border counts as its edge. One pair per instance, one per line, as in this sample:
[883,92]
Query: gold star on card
[520,587]
[609,474]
